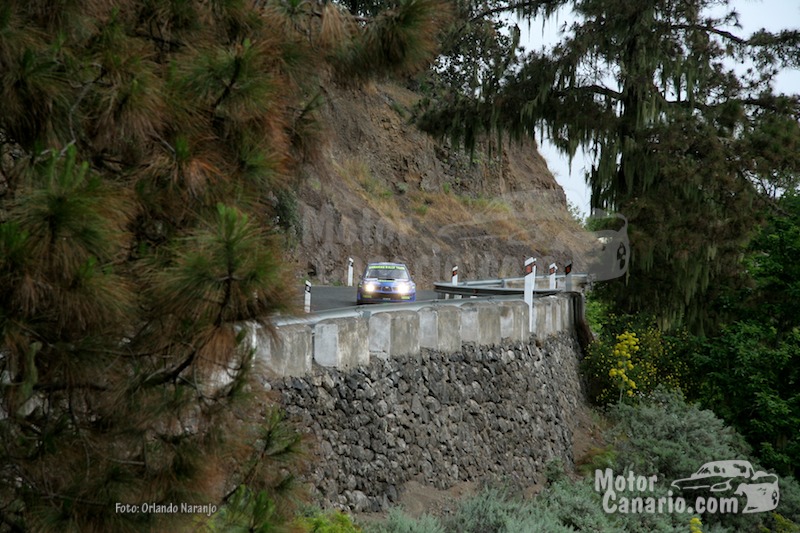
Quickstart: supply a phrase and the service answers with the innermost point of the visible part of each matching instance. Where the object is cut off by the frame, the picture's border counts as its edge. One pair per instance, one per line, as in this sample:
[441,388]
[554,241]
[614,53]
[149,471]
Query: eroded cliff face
[377,188]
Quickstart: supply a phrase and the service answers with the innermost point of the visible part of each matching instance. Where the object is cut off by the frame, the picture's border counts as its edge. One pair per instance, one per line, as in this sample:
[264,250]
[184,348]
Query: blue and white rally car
[385,282]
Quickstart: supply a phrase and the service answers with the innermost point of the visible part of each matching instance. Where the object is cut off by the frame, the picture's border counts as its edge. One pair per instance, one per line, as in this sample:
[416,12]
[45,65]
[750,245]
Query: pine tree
[141,145]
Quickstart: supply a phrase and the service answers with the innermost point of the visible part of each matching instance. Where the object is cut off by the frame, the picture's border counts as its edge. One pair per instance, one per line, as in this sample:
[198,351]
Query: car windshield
[387,272]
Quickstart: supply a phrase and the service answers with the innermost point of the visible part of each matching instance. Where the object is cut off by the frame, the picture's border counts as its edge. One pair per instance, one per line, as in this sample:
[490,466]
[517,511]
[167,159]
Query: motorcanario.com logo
[717,487]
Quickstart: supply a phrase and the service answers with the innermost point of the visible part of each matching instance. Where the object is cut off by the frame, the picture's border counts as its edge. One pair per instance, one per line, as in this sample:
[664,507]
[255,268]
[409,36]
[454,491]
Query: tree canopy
[684,142]
[146,152]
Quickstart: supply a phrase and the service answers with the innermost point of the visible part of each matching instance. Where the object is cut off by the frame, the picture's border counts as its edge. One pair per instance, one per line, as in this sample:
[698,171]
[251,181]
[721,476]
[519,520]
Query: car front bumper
[383,297]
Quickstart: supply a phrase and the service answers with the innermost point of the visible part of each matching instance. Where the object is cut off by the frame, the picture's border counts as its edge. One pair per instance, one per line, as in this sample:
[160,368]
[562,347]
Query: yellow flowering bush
[695,525]
[635,361]
[627,345]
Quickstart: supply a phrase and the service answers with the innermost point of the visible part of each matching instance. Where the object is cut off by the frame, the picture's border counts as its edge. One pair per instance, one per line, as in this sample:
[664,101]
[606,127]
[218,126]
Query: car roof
[386,264]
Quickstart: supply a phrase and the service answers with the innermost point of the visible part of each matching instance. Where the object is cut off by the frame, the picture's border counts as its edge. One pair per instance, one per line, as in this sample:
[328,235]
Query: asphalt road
[324,298]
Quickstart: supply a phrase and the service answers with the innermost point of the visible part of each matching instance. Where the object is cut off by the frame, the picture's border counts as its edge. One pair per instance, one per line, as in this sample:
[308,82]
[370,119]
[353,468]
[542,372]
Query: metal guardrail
[578,278]
[487,287]
[485,290]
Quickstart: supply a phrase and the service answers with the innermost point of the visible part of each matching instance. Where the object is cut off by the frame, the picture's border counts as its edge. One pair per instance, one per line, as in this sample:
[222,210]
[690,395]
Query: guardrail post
[530,282]
[307,302]
[568,277]
[553,270]
[349,271]
[454,281]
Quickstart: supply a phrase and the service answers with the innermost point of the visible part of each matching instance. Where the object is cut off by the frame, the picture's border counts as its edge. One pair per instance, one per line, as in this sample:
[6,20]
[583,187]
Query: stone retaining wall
[482,413]
[350,342]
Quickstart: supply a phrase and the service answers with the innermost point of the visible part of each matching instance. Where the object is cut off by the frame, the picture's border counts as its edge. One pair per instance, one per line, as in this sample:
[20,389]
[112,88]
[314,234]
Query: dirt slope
[379,189]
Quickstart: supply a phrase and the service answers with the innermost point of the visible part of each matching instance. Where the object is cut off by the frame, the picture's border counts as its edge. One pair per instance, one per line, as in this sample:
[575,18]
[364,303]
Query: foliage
[245,511]
[751,368]
[751,376]
[254,511]
[682,143]
[401,38]
[636,360]
[146,159]
[399,522]
[576,213]
[666,435]
[627,345]
[332,522]
[596,313]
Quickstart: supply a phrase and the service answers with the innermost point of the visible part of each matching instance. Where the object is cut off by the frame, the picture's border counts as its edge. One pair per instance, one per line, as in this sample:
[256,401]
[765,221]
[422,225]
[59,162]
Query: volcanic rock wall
[483,413]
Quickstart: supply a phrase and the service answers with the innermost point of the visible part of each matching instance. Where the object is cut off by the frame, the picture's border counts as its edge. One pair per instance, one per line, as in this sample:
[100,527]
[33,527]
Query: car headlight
[403,288]
[370,287]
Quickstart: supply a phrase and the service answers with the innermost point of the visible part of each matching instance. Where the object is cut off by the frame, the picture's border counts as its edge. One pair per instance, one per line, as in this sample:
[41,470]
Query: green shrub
[596,313]
[490,510]
[330,522]
[663,434]
[750,379]
[399,522]
[631,359]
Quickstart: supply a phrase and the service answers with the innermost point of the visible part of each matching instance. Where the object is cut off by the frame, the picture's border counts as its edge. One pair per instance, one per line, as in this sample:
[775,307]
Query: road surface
[324,298]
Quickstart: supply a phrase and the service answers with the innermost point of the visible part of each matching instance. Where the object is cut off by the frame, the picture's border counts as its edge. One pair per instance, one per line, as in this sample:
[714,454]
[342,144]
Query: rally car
[385,282]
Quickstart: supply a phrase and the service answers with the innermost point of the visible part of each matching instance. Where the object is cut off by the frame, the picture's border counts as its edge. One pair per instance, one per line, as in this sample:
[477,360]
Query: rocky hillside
[377,188]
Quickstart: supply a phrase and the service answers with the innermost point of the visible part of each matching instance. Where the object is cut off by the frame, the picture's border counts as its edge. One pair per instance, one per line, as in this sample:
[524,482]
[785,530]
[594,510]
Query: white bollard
[530,283]
[307,304]
[454,281]
[350,272]
[553,270]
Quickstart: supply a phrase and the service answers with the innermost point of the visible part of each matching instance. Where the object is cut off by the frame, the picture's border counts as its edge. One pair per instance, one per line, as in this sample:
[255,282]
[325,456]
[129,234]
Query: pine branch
[534,4]
[237,67]
[710,29]
[165,376]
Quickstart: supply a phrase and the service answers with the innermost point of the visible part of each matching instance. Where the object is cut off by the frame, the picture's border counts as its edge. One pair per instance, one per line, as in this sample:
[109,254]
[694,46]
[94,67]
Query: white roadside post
[307,304]
[349,271]
[454,281]
[530,282]
[568,276]
[553,270]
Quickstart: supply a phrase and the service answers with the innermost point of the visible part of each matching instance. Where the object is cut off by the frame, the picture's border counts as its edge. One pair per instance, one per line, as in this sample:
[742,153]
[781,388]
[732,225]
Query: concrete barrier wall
[347,343]
[341,343]
[287,352]
[394,334]
[440,328]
